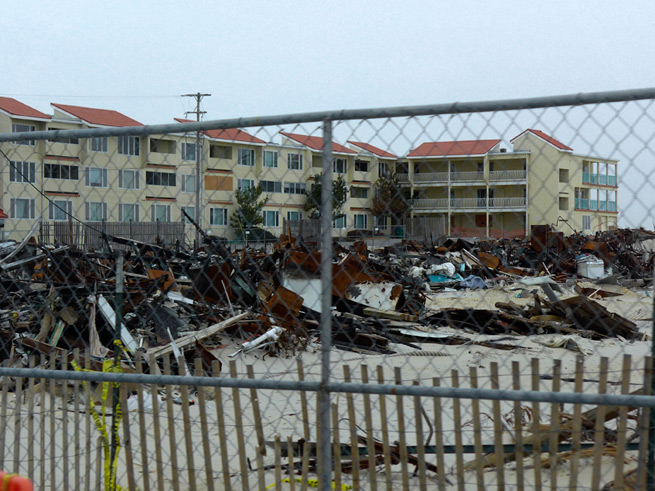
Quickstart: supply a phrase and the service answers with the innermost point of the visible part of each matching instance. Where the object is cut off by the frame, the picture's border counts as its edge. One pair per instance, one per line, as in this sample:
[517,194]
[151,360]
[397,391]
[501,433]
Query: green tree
[249,209]
[339,196]
[390,199]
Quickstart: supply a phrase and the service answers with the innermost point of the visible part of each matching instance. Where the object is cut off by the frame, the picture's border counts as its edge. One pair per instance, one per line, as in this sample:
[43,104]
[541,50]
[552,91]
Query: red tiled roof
[316,142]
[545,137]
[17,108]
[374,150]
[101,117]
[231,134]
[462,147]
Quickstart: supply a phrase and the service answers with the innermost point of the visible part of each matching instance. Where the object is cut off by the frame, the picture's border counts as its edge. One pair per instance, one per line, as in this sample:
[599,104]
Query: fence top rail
[355,388]
[346,114]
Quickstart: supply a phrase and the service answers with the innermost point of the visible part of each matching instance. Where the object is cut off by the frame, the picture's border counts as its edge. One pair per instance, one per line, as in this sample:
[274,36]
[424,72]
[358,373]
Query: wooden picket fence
[60,433]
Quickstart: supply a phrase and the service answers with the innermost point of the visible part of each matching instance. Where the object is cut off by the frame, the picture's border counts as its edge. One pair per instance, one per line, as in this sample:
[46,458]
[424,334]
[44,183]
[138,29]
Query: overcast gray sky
[271,57]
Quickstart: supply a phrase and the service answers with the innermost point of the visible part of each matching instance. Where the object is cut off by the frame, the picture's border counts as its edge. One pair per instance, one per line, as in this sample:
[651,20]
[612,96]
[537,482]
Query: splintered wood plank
[336,445]
[457,422]
[143,433]
[622,423]
[87,427]
[420,445]
[127,441]
[352,425]
[220,422]
[438,439]
[599,427]
[30,424]
[156,427]
[18,410]
[536,432]
[170,414]
[554,425]
[477,432]
[644,427]
[290,456]
[278,463]
[370,446]
[498,428]
[204,429]
[384,430]
[402,438]
[260,451]
[576,438]
[186,424]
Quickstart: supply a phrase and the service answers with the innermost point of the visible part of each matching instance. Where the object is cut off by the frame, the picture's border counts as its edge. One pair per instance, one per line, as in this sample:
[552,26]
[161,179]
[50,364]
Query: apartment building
[482,189]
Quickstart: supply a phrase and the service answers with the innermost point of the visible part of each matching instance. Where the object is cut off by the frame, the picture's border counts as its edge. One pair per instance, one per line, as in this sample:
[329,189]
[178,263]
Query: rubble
[190,302]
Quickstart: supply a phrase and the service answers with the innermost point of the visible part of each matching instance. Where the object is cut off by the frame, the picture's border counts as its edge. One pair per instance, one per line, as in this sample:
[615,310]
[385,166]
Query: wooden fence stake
[599,429]
[370,446]
[204,429]
[385,431]
[420,444]
[576,437]
[352,425]
[477,432]
[336,444]
[220,422]
[238,419]
[143,435]
[622,426]
[402,437]
[518,427]
[259,430]
[170,413]
[154,391]
[186,421]
[457,421]
[438,439]
[498,429]
[554,425]
[535,426]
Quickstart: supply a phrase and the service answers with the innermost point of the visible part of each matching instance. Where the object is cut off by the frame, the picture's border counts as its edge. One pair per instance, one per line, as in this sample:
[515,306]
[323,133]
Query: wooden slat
[170,414]
[438,439]
[553,435]
[644,427]
[384,430]
[402,437]
[498,429]
[278,464]
[30,426]
[535,425]
[127,438]
[238,419]
[477,431]
[143,432]
[260,450]
[336,446]
[204,429]
[292,482]
[220,422]
[186,421]
[577,425]
[518,427]
[64,425]
[373,485]
[156,428]
[53,425]
[420,445]
[18,410]
[352,426]
[622,423]
[87,427]
[599,429]
[3,421]
[305,426]
[457,422]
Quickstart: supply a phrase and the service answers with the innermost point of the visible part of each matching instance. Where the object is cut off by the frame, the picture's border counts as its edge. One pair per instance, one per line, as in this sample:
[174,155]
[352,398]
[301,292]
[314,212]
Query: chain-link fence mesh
[439,297]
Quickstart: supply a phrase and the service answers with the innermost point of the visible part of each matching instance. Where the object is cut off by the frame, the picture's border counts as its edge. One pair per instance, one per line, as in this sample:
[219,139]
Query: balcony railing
[468,203]
[601,179]
[432,204]
[507,202]
[430,177]
[467,176]
[594,205]
[507,175]
[611,180]
[403,177]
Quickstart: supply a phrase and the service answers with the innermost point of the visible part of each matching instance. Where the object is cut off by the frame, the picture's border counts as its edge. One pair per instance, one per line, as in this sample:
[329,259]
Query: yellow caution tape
[312,483]
[100,421]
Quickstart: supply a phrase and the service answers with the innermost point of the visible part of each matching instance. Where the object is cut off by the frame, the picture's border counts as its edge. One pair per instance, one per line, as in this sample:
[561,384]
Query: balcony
[495,203]
[507,175]
[403,178]
[594,205]
[600,179]
[430,204]
[466,176]
[423,177]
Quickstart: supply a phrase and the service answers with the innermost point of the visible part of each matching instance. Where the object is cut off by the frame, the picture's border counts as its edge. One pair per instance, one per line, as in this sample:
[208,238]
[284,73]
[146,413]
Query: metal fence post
[325,473]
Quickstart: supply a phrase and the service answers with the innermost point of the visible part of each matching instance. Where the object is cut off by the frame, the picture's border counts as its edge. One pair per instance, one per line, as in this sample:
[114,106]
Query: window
[96,177]
[158,145]
[356,192]
[128,179]
[22,171]
[220,152]
[339,222]
[294,215]
[586,222]
[382,222]
[271,186]
[295,187]
[96,212]
[563,203]
[218,216]
[129,145]
[246,157]
[73,141]
[59,171]
[271,218]
[23,128]
[128,212]
[361,165]
[155,178]
[188,151]
[98,144]
[361,222]
[60,209]
[383,169]
[339,166]
[189,210]
[270,158]
[563,175]
[22,208]
[294,161]
[189,183]
[161,213]
[245,183]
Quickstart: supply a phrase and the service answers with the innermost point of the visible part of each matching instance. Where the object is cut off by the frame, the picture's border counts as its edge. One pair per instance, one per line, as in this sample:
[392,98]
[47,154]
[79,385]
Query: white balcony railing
[507,175]
[468,203]
[467,176]
[507,202]
[403,177]
[432,204]
[430,177]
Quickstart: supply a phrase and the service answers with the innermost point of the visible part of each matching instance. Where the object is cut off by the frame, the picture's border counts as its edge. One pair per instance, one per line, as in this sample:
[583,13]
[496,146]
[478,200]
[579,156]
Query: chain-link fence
[433,297]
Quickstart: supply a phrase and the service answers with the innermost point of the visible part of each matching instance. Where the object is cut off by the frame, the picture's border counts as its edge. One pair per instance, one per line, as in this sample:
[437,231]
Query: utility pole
[198,97]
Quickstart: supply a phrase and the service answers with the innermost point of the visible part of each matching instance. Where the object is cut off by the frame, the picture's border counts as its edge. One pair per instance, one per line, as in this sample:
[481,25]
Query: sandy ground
[36,433]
